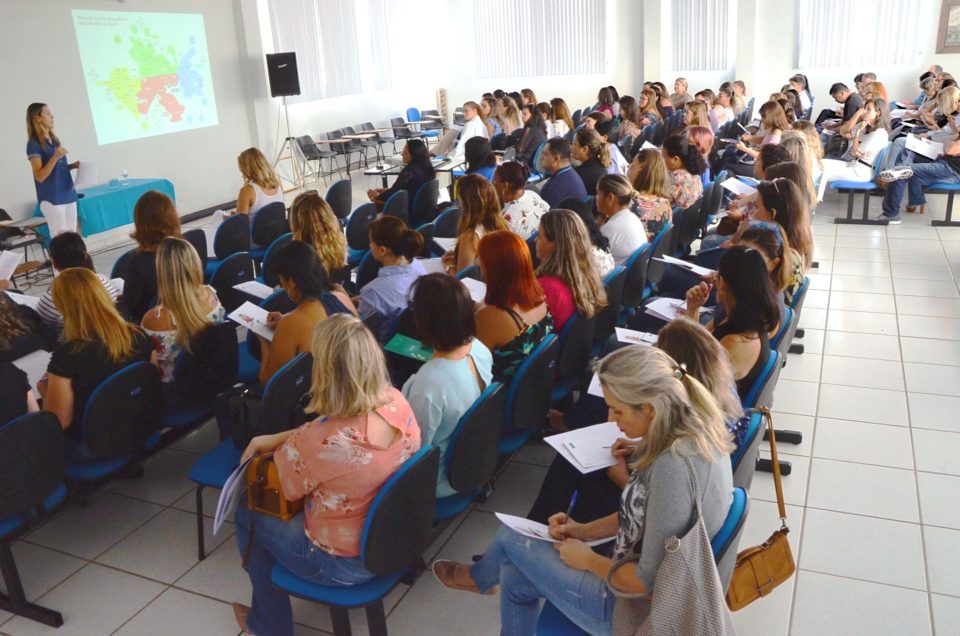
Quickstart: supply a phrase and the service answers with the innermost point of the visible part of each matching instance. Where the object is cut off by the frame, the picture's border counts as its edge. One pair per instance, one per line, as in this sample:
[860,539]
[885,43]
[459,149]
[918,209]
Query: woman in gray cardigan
[649,396]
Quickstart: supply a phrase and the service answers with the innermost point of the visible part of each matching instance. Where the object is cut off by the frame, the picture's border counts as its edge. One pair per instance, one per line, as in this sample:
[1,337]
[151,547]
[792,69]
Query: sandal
[911,209]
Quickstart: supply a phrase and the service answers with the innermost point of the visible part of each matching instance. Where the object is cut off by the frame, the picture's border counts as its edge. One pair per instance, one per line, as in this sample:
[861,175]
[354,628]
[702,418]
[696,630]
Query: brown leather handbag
[760,569]
[263,490]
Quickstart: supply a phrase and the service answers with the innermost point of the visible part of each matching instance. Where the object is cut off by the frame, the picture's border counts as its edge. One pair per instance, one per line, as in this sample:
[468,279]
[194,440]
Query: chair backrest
[398,524]
[122,264]
[413,114]
[266,268]
[626,145]
[339,148]
[659,247]
[530,390]
[426,231]
[283,395]
[445,225]
[198,239]
[635,280]
[398,205]
[576,117]
[878,162]
[724,543]
[470,271]
[399,130]
[232,236]
[607,318]
[761,393]
[123,411]
[372,321]
[357,236]
[269,223]
[687,224]
[573,346]
[425,202]
[538,171]
[780,338]
[235,269]
[31,461]
[532,247]
[339,197]
[308,147]
[211,365]
[800,295]
[743,460]
[473,453]
[367,270]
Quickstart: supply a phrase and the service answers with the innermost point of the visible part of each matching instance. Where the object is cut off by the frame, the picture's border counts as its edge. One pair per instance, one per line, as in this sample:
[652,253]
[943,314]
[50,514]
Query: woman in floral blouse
[648,175]
[685,163]
[522,208]
[337,463]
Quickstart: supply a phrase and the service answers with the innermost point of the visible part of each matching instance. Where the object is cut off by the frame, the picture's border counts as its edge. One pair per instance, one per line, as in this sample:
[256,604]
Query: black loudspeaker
[282,70]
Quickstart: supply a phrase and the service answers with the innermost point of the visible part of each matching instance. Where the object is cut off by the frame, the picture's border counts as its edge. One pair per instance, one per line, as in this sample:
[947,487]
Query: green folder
[409,348]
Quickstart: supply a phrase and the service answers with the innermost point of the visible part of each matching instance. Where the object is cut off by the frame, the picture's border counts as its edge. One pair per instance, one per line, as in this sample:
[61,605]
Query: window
[858,33]
[324,36]
[530,38]
[702,34]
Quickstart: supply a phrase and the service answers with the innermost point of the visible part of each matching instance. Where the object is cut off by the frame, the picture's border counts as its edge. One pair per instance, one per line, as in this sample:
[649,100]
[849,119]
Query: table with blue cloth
[103,207]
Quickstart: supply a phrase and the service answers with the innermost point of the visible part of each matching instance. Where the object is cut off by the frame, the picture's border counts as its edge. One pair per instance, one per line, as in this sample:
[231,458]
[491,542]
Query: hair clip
[680,370]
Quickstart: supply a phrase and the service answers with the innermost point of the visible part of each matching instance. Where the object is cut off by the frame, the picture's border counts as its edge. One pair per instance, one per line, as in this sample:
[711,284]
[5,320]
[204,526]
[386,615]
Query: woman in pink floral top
[653,190]
[337,463]
[685,163]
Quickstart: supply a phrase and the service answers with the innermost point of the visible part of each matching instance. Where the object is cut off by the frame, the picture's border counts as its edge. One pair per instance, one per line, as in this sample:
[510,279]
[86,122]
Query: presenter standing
[51,172]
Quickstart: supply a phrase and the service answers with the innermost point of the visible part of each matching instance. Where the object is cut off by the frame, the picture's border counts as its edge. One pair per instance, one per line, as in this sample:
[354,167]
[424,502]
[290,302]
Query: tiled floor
[875,524]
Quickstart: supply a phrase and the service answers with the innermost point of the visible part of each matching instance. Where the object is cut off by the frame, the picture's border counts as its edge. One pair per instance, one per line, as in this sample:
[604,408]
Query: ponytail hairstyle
[769,239]
[688,153]
[686,418]
[69,250]
[392,233]
[591,140]
[618,186]
[572,260]
[783,200]
[745,277]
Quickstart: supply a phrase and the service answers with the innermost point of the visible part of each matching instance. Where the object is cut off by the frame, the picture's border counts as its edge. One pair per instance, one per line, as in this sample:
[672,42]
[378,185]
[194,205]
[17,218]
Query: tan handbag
[263,490]
[760,569]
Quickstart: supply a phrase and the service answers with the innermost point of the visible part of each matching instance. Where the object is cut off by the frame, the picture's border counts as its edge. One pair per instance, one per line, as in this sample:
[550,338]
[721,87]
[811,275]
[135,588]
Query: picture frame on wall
[948,36]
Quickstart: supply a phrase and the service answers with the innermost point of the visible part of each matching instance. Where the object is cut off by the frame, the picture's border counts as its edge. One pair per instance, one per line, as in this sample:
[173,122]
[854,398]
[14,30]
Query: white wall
[41,63]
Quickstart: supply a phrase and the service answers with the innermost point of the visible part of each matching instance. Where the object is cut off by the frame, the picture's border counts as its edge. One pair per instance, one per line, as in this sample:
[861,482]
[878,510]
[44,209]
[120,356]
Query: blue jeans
[275,541]
[528,570]
[923,175]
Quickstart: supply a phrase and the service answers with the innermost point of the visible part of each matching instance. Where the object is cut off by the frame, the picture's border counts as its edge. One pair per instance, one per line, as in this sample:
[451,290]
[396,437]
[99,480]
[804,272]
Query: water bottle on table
[123,177]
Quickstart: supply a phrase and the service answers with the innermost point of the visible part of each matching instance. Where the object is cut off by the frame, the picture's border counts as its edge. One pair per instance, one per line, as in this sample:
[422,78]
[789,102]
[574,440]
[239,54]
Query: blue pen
[573,502]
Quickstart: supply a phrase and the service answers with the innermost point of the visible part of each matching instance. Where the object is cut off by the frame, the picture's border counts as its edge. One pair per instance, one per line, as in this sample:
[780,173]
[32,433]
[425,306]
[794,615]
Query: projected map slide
[146,73]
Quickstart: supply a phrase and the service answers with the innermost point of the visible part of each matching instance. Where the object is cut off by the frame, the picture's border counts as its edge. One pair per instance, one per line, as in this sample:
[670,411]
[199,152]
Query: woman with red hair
[514,316]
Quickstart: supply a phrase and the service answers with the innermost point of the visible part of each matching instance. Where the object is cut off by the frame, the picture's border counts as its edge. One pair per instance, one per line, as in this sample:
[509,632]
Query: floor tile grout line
[860,580]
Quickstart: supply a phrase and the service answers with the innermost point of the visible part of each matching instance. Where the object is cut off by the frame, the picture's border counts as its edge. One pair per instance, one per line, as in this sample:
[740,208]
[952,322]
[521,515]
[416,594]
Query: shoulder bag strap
[776,467]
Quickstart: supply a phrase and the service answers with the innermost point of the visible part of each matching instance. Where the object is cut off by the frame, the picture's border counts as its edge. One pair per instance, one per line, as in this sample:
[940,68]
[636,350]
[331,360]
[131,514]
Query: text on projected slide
[146,73]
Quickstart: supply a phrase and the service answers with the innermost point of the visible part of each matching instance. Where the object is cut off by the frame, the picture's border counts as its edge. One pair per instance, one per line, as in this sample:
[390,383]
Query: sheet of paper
[536,530]
[594,387]
[477,289]
[900,113]
[118,283]
[446,243]
[34,365]
[738,187]
[647,145]
[86,175]
[629,336]
[254,288]
[33,302]
[588,448]
[8,264]
[665,308]
[433,265]
[253,318]
[234,488]
[925,147]
[696,269]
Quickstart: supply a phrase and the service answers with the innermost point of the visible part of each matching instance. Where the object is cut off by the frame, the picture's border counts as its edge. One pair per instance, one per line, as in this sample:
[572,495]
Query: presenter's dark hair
[69,250]
[33,129]
[298,261]
[443,311]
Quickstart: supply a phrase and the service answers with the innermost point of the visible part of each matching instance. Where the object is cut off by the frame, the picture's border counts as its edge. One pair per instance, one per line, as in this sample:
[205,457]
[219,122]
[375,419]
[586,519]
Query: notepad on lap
[925,147]
[687,265]
[254,288]
[253,318]
[536,530]
[432,265]
[588,448]
[738,187]
[33,302]
[629,336]
[409,348]
[446,243]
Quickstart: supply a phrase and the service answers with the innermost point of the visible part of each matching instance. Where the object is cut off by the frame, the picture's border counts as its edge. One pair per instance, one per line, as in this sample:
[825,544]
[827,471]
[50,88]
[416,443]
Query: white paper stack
[447,244]
[536,530]
[254,288]
[33,302]
[253,318]
[666,308]
[477,289]
[738,187]
[118,284]
[696,269]
[629,336]
[925,147]
[8,264]
[34,364]
[648,146]
[233,489]
[589,448]
[432,265]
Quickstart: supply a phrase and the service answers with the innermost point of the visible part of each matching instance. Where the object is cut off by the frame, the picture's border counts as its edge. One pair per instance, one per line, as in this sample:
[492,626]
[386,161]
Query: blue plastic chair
[529,395]
[267,276]
[121,264]
[232,237]
[573,353]
[413,115]
[853,188]
[761,393]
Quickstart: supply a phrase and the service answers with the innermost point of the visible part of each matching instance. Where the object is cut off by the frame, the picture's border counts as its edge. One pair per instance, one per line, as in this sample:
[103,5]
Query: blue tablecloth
[103,207]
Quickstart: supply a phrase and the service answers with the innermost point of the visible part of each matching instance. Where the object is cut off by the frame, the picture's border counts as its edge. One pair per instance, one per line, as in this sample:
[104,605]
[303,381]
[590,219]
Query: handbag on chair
[264,493]
[760,569]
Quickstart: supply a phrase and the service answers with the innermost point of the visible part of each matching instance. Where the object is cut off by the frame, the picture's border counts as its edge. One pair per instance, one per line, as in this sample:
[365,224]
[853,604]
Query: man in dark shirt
[565,181]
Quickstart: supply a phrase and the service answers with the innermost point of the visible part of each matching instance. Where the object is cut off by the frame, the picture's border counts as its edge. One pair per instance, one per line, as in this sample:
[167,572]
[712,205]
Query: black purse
[243,408]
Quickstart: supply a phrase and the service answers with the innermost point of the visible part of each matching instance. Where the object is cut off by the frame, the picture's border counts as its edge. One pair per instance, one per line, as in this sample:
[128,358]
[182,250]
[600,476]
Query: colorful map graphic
[146,73]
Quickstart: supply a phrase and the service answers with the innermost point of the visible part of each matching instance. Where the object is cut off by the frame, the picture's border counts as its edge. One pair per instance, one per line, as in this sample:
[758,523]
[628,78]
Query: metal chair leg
[340,618]
[376,619]
[201,548]
[15,601]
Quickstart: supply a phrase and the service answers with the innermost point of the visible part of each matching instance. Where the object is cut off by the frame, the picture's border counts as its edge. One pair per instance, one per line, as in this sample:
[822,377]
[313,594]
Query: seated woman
[696,113]
[306,283]
[567,272]
[338,462]
[417,170]
[773,121]
[799,84]
[685,164]
[870,137]
[795,172]
[599,492]
[648,174]
[594,157]
[647,113]
[534,134]
[314,223]
[479,214]
[664,105]
[750,312]
[154,218]
[722,111]
[185,306]
[17,397]
[261,185]
[769,239]
[600,244]
[509,116]
[514,317]
[943,123]
[780,201]
[814,147]
[649,396]
[680,98]
[480,157]
[448,384]
[21,331]
[619,224]
[560,116]
[804,159]
[96,343]
[605,102]
[489,115]
[68,250]
[522,208]
[629,118]
[394,246]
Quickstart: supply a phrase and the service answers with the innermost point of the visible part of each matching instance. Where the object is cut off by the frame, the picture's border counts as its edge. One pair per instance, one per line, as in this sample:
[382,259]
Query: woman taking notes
[51,172]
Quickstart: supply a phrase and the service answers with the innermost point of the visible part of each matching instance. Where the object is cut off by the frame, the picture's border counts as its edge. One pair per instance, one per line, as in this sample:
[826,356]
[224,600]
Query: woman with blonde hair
[336,463]
[567,272]
[479,214]
[800,155]
[686,450]
[185,307]
[647,112]
[56,194]
[509,115]
[653,190]
[313,222]
[96,343]
[261,185]
[695,113]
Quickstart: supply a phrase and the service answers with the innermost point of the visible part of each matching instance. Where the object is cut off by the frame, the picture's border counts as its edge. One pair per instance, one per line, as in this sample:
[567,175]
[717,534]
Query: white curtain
[531,38]
[380,44]
[702,34]
[859,33]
